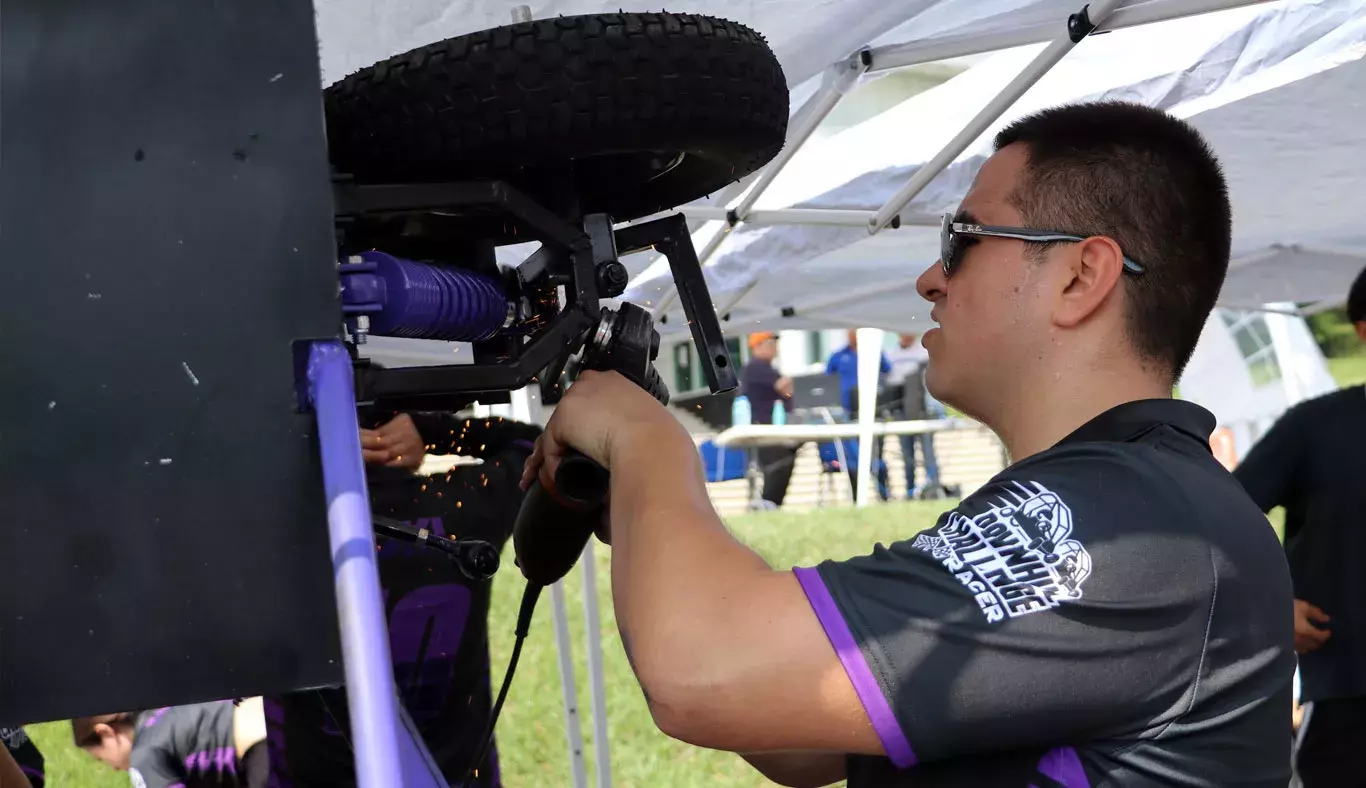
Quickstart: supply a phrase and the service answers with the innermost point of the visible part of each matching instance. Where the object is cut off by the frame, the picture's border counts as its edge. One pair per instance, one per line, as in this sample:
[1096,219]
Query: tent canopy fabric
[806,35]
[1274,87]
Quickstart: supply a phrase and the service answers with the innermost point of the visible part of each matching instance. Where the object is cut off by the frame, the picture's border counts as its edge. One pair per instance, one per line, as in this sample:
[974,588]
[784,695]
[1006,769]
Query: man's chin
[940,385]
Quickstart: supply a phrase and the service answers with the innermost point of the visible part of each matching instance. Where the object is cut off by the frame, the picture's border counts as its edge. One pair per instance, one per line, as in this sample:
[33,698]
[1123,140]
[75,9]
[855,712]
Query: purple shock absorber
[407,299]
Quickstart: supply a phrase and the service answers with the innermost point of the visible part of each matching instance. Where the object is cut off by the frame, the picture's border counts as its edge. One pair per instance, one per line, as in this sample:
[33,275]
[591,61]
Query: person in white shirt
[907,358]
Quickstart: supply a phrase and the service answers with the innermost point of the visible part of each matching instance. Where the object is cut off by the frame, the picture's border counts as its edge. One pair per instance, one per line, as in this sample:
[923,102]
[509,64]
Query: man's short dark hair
[1356,299]
[1150,182]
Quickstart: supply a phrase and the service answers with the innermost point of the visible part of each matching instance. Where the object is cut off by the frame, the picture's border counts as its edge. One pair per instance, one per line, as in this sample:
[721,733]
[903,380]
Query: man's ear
[1361,329]
[1092,274]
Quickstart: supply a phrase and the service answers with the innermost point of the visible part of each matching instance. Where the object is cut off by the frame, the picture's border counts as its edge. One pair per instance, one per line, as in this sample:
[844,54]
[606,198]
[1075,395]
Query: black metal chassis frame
[569,255]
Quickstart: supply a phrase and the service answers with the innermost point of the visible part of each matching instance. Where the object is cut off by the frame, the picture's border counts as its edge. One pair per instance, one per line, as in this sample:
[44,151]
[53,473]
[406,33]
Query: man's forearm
[799,769]
[10,773]
[676,571]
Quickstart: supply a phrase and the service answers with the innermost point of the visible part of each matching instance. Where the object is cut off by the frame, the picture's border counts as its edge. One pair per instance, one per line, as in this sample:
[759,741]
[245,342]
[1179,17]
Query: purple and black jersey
[438,628]
[25,753]
[1113,611]
[185,747]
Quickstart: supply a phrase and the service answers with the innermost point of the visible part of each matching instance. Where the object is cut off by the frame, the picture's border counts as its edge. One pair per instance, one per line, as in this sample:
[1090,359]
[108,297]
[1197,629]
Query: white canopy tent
[1277,88]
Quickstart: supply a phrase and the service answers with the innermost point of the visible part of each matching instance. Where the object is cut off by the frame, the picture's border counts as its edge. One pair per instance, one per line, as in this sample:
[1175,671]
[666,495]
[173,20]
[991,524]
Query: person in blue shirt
[844,363]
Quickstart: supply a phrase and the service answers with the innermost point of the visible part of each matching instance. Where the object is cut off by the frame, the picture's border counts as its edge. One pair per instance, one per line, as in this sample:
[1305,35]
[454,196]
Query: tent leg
[869,358]
[572,729]
[597,687]
[1011,93]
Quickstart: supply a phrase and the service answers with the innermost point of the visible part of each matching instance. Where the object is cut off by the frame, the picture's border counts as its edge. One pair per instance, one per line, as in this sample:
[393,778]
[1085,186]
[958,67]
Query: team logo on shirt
[1017,557]
[14,738]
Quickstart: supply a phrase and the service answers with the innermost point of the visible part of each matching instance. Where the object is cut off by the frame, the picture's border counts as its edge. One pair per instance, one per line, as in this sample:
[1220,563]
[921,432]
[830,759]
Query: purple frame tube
[371,692]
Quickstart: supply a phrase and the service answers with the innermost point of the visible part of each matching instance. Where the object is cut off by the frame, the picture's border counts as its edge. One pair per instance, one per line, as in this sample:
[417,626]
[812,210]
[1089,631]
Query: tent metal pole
[835,217]
[839,79]
[1098,11]
[597,686]
[835,321]
[914,53]
[878,289]
[1322,306]
[1268,310]
[737,298]
[573,730]
[527,407]
[869,373]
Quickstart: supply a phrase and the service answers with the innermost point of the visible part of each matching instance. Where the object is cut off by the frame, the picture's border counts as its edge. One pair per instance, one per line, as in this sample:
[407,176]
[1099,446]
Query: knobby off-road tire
[626,114]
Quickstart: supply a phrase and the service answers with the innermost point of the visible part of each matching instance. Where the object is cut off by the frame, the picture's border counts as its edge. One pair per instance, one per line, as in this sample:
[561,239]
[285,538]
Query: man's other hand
[600,409]
[1309,637]
[396,443]
[783,386]
[372,447]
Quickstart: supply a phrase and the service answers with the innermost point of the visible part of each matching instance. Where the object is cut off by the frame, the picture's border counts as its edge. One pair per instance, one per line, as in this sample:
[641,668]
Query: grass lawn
[533,747]
[1348,370]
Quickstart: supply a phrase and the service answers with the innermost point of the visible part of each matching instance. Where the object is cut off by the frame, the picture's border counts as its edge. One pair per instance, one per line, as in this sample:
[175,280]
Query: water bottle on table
[740,411]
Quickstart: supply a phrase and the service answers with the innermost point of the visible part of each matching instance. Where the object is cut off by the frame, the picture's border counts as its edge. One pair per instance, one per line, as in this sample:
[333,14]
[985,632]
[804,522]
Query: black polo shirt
[1311,463]
[1112,611]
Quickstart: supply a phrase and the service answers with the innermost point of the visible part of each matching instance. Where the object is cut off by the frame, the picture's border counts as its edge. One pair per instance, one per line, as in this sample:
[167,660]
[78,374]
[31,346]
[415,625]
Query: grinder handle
[553,526]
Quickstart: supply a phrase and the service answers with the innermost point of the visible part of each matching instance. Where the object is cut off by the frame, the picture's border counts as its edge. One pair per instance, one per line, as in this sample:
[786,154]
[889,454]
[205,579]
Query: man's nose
[931,284]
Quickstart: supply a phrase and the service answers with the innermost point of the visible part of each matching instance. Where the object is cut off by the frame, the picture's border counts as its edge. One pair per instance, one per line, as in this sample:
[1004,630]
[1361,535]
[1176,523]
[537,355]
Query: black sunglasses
[951,248]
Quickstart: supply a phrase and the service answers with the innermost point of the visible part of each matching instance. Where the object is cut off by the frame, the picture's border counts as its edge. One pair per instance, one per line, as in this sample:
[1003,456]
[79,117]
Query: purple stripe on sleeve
[31,772]
[879,711]
[1064,766]
[155,716]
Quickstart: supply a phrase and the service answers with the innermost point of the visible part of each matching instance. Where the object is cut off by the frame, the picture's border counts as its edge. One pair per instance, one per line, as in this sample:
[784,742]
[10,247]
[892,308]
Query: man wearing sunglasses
[1111,609]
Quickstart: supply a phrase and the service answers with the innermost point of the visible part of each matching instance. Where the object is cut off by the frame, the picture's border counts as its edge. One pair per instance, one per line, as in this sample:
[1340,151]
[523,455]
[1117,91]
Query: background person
[844,363]
[908,358]
[1109,610]
[761,382]
[1310,462]
[438,618]
[200,745]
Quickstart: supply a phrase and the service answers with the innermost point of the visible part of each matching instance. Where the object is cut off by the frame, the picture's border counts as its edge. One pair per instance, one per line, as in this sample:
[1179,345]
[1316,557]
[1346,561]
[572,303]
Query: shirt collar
[1129,420]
